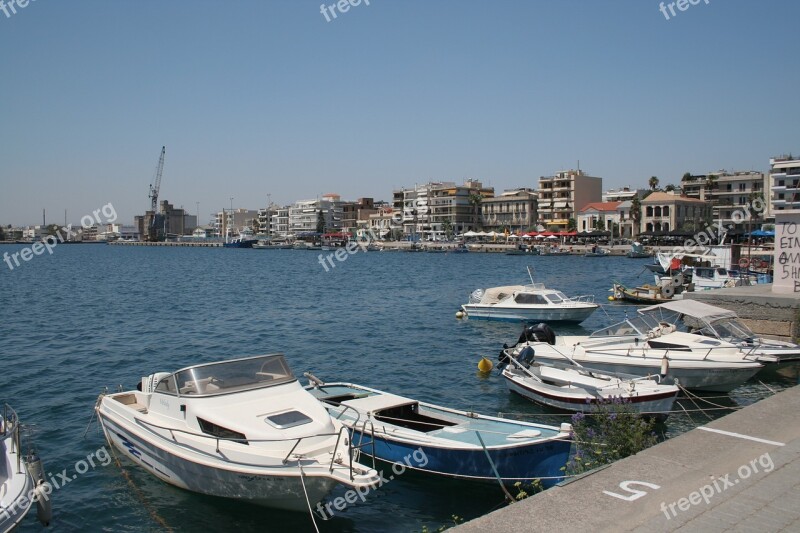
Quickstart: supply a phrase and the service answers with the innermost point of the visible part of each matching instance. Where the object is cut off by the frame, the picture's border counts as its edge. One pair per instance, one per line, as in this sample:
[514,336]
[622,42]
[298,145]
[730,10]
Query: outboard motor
[503,357]
[525,356]
[539,333]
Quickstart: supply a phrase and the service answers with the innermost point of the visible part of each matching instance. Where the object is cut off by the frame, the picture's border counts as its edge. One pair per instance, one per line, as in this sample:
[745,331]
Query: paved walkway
[738,473]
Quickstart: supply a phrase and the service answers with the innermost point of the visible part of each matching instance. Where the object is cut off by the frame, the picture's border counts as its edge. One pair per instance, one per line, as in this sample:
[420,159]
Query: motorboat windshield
[229,376]
[556,297]
[727,329]
[639,325]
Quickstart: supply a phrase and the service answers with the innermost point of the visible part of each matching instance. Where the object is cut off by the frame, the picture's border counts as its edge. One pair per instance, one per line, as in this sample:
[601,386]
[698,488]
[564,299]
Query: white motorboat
[705,278]
[243,429]
[580,389]
[22,480]
[642,346]
[701,318]
[528,303]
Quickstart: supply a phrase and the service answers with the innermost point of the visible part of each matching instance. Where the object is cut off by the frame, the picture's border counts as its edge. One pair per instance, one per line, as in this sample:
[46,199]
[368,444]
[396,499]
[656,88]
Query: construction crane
[156,230]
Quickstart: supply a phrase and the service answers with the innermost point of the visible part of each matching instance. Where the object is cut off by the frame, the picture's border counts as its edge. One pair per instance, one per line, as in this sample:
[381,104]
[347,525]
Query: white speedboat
[528,303]
[243,429]
[580,389]
[701,318]
[705,278]
[642,346]
[21,477]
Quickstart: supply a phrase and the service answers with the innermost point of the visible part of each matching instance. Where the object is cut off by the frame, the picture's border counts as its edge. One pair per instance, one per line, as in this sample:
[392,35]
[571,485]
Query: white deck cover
[693,308]
[378,402]
[496,294]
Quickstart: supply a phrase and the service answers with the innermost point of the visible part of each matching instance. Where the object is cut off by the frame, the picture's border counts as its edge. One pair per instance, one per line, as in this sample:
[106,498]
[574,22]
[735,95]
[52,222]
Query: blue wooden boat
[455,444]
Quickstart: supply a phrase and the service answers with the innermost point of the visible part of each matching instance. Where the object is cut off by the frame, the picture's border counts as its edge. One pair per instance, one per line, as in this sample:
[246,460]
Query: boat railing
[584,299]
[10,426]
[172,431]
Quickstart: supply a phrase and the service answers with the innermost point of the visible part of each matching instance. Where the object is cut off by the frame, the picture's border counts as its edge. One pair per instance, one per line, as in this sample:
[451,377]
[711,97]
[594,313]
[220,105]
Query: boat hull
[522,314]
[267,489]
[659,404]
[541,460]
[704,375]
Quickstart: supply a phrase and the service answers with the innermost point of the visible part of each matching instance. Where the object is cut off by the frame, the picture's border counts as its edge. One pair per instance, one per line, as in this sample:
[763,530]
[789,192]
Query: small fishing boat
[243,429]
[528,303]
[596,251]
[22,481]
[700,318]
[580,389]
[457,444]
[645,294]
[637,251]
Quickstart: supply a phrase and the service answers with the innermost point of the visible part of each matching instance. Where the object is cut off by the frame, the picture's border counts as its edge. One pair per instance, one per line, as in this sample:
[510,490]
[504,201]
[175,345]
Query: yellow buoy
[460,314]
[610,298]
[485,365]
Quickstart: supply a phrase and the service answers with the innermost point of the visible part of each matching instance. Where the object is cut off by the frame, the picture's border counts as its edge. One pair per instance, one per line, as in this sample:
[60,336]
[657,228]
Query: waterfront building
[303,215]
[34,233]
[436,208]
[784,183]
[728,192]
[623,194]
[380,224]
[663,212]
[265,215]
[235,220]
[353,212]
[513,210]
[562,195]
[279,223]
[599,216]
[168,222]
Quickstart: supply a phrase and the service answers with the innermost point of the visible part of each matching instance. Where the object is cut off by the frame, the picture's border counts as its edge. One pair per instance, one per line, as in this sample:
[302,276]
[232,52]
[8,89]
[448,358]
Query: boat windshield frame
[634,326]
[236,375]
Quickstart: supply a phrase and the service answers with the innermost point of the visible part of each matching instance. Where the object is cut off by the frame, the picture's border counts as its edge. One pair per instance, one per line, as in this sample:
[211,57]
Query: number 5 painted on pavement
[635,494]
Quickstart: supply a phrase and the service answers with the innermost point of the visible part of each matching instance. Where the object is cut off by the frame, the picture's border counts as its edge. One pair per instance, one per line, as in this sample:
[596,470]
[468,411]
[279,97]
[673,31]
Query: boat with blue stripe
[447,442]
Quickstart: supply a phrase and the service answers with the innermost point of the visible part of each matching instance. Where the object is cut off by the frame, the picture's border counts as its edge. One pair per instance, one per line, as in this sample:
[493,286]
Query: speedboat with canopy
[243,429]
[700,318]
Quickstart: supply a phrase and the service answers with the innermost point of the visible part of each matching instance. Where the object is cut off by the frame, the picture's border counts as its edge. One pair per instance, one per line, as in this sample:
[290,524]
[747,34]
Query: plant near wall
[614,431]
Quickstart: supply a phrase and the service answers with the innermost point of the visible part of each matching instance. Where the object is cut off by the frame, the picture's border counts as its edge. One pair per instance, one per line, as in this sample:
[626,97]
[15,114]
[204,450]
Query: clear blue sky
[266,97]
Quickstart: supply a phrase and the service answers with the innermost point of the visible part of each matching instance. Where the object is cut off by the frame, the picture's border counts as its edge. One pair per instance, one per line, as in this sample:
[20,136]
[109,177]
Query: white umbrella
[471,234]
[552,237]
[540,236]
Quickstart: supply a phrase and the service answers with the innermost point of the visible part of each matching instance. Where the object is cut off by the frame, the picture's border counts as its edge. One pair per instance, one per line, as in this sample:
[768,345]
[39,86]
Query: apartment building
[562,196]
[513,210]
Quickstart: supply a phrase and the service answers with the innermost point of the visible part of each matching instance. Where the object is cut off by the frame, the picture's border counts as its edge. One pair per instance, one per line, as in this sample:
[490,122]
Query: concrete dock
[738,473]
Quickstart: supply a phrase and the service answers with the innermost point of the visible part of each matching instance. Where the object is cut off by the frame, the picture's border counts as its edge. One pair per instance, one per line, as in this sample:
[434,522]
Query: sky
[268,101]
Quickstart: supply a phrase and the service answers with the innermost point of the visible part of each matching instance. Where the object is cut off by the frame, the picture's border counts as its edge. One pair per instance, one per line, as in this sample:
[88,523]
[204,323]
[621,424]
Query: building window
[781,183]
[666,211]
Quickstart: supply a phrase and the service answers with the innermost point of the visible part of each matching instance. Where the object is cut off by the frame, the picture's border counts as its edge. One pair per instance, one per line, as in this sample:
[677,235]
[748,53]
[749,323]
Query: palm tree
[475,200]
[447,227]
[653,183]
[320,222]
[636,215]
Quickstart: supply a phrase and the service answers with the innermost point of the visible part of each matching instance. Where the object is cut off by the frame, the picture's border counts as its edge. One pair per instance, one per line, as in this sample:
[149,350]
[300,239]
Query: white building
[598,216]
[279,223]
[304,215]
[784,181]
[623,194]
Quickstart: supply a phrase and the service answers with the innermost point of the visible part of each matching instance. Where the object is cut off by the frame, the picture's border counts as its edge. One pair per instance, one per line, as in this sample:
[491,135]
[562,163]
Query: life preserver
[743,262]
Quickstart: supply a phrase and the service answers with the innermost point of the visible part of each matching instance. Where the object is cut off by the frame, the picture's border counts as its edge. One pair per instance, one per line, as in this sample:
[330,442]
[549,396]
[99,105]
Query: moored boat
[454,443]
[580,389]
[242,429]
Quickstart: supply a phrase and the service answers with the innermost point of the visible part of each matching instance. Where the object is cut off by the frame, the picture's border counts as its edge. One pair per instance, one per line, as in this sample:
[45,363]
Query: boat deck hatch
[129,399]
[409,417]
[218,431]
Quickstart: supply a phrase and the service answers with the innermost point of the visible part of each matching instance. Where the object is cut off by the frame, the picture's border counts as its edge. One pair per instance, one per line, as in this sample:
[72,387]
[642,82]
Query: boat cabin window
[530,299]
[210,428]
[233,376]
[167,386]
[555,297]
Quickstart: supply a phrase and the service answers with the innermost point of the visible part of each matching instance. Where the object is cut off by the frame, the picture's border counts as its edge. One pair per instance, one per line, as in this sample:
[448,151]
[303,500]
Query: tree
[636,215]
[255,226]
[572,224]
[447,227]
[475,200]
[653,182]
[669,188]
[687,176]
[711,181]
[320,222]
[2,234]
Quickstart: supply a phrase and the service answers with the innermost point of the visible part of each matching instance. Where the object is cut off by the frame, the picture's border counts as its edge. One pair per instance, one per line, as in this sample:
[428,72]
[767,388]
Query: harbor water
[89,317]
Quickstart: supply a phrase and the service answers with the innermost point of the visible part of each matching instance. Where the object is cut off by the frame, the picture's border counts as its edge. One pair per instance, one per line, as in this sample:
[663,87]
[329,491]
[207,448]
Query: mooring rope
[308,502]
